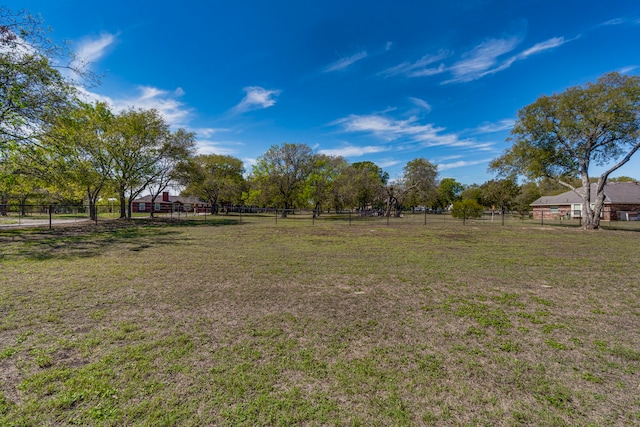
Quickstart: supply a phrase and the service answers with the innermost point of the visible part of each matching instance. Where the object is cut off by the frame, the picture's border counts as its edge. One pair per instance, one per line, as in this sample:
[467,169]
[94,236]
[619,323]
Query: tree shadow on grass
[68,242]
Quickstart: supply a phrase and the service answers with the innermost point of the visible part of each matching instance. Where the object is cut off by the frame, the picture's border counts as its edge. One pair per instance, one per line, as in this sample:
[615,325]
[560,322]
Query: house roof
[627,193]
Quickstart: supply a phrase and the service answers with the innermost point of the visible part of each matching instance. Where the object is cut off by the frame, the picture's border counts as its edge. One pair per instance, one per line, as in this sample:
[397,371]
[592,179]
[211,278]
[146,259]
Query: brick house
[621,203]
[167,203]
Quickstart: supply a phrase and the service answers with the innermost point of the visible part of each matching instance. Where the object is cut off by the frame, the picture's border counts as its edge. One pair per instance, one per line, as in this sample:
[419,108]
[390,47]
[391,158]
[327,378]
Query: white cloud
[421,68]
[541,47]
[488,57]
[484,59]
[389,129]
[615,21]
[387,163]
[421,103]
[92,49]
[629,69]
[208,132]
[353,151]
[88,96]
[476,62]
[256,98]
[409,130]
[446,158]
[384,126]
[500,126]
[166,102]
[460,164]
[345,62]
[206,146]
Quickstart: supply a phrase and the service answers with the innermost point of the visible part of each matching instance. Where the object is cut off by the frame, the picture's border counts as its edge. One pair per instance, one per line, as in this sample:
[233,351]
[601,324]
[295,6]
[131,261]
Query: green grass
[229,322]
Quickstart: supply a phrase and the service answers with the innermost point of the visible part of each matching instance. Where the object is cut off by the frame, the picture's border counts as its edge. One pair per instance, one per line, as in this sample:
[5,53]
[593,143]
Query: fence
[374,217]
[56,214]
[354,217]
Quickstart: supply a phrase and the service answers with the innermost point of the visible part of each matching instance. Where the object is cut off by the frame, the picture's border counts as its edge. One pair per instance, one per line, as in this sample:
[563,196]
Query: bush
[467,208]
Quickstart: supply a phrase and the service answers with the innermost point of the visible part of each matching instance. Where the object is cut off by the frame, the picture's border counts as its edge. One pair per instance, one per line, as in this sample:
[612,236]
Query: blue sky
[370,80]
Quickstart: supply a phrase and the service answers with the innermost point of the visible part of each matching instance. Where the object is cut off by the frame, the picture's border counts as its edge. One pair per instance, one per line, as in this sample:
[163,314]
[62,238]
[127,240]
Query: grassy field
[219,323]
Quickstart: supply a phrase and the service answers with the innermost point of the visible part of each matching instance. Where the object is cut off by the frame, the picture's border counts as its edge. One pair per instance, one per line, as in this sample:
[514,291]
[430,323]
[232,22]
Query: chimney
[165,196]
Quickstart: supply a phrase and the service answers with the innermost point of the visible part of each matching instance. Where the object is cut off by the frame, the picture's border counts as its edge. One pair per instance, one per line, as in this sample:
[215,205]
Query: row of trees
[51,143]
[86,152]
[290,176]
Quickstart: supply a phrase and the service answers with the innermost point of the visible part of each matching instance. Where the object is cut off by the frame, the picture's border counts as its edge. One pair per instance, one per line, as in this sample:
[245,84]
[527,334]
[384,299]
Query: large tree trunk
[92,209]
[596,211]
[123,205]
[153,202]
[398,212]
[589,220]
[23,206]
[92,197]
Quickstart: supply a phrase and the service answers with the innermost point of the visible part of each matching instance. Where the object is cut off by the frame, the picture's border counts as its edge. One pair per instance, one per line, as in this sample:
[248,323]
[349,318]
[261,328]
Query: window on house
[142,207]
[554,209]
[156,207]
[577,210]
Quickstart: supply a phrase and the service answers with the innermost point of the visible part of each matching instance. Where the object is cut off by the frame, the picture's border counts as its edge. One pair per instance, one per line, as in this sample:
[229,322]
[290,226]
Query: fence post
[349,217]
[50,217]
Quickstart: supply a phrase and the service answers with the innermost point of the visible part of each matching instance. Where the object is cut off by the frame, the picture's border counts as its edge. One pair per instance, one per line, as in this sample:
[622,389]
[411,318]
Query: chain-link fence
[50,215]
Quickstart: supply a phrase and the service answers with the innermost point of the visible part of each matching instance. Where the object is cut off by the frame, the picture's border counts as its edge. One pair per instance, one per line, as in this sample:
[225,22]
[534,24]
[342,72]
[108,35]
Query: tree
[449,191]
[215,178]
[18,181]
[466,208]
[279,175]
[529,192]
[321,187]
[5,173]
[471,191]
[77,150]
[177,151]
[343,191]
[32,88]
[418,181]
[368,182]
[563,135]
[499,194]
[139,145]
[551,187]
[421,176]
